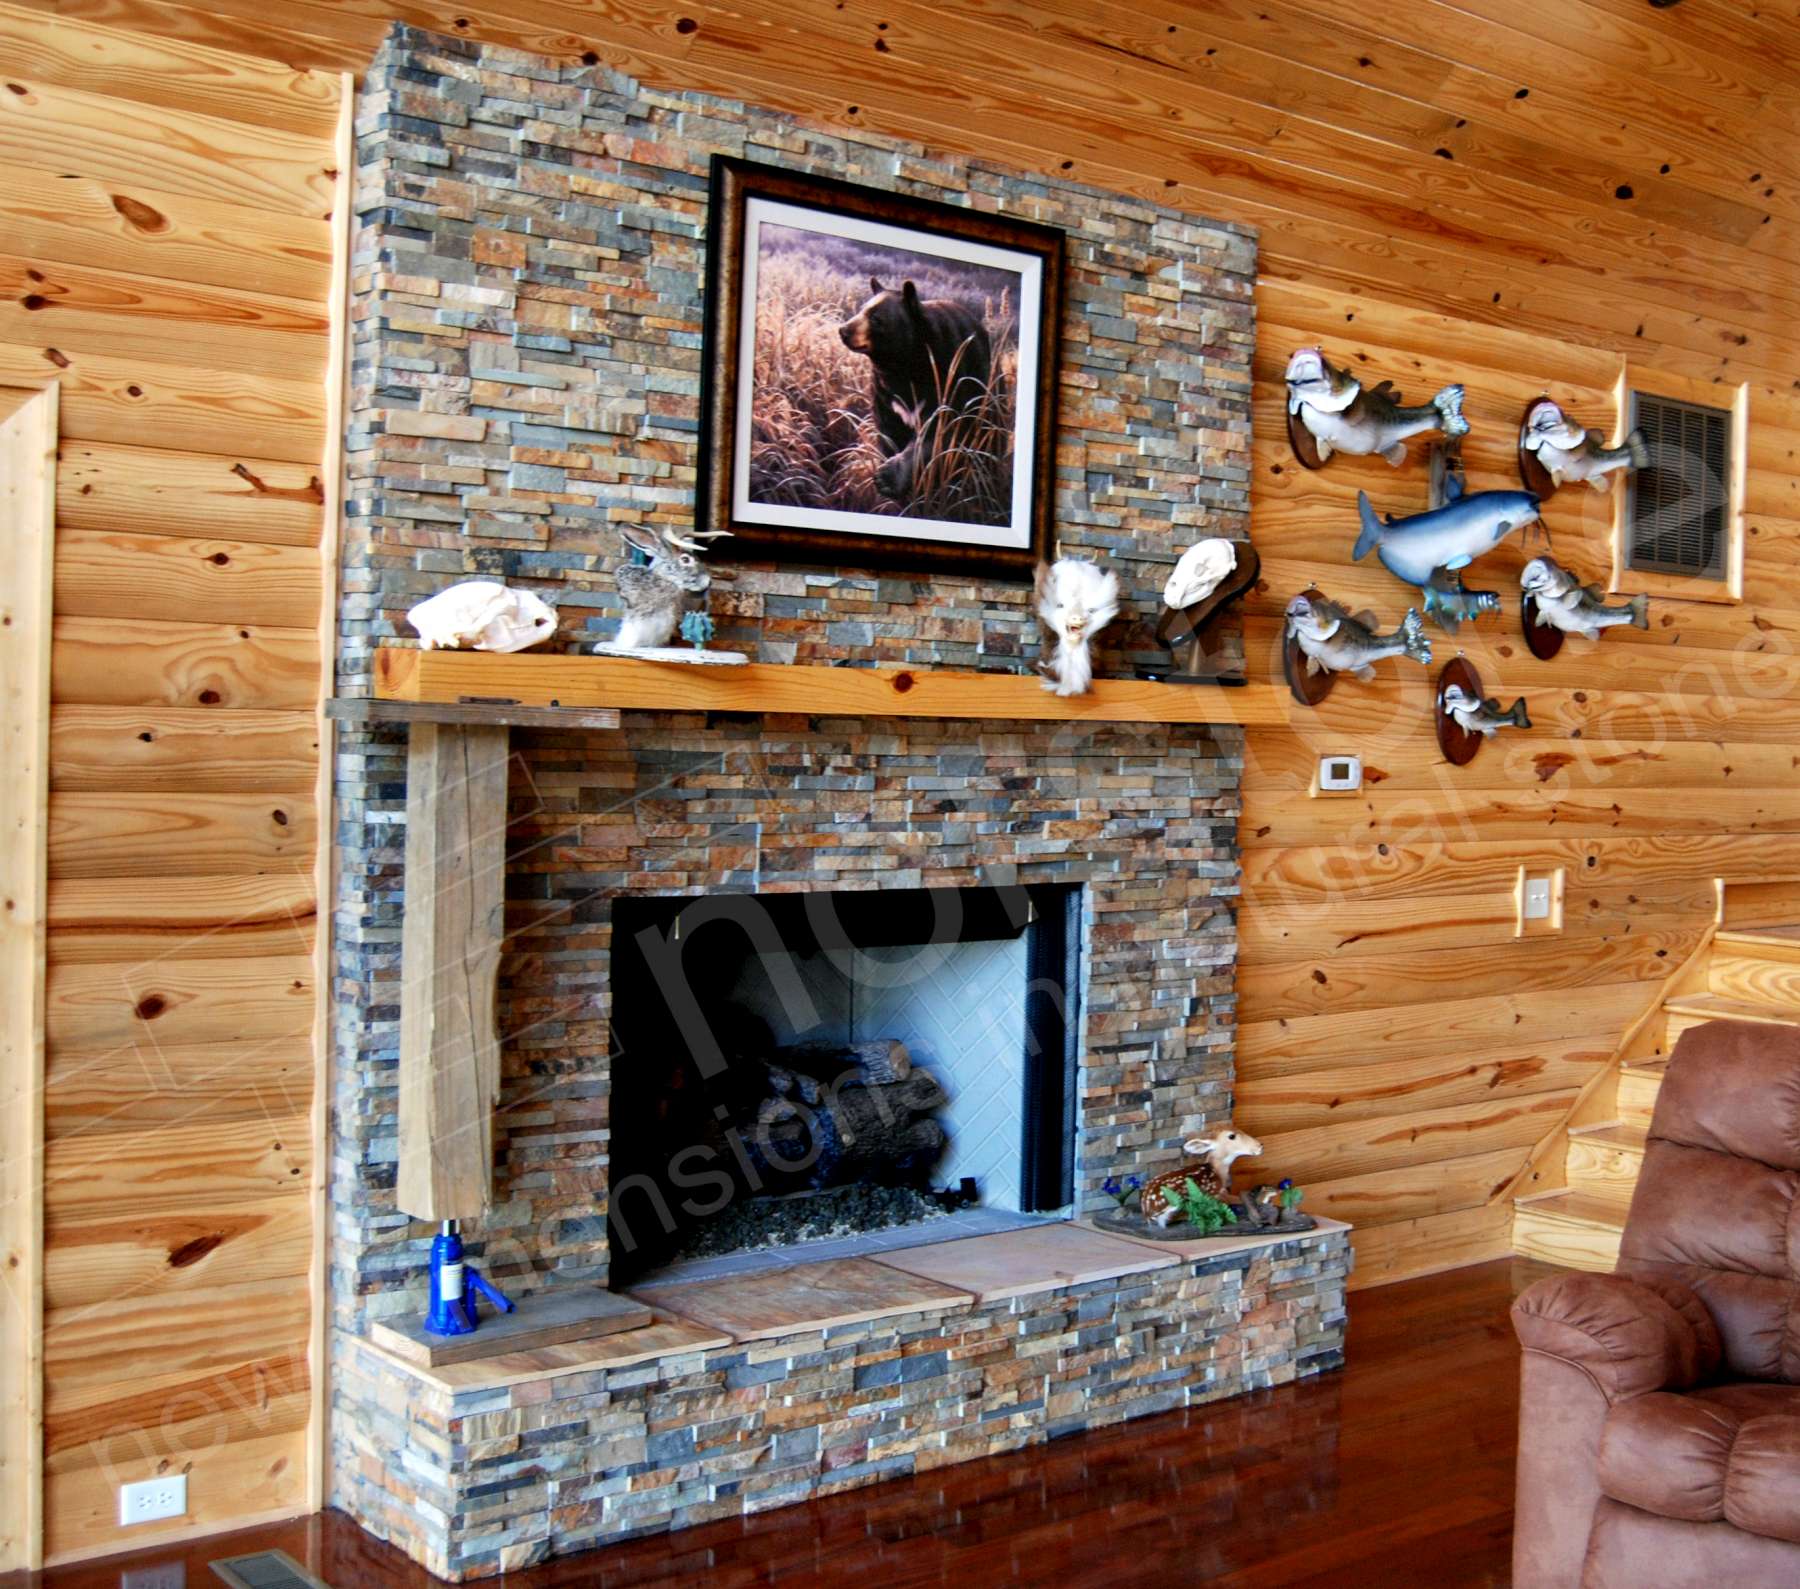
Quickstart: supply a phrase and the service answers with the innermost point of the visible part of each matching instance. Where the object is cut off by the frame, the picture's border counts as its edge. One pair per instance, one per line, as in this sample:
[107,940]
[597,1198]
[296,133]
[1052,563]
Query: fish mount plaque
[1459,745]
[1465,717]
[1329,411]
[1553,602]
[1555,450]
[1322,638]
[1307,686]
[1191,634]
[1542,640]
[1304,443]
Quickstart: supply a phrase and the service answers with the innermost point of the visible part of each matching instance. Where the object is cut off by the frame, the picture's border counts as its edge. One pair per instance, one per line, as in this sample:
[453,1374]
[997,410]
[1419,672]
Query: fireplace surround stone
[526,324]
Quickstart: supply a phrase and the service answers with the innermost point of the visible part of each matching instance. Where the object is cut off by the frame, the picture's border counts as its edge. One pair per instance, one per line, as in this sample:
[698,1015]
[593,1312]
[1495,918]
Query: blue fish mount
[1429,550]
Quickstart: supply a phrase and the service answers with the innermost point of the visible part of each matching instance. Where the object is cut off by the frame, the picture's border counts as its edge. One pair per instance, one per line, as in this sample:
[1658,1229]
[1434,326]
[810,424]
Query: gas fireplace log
[883,1132]
[786,1083]
[884,1059]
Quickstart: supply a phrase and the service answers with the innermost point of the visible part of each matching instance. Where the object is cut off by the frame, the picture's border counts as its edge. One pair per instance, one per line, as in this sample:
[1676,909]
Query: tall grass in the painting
[813,438]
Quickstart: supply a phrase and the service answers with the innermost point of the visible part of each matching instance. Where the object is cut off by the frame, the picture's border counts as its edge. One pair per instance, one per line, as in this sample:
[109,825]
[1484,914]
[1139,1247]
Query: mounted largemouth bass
[1564,603]
[1569,452]
[1344,417]
[1337,641]
[1483,717]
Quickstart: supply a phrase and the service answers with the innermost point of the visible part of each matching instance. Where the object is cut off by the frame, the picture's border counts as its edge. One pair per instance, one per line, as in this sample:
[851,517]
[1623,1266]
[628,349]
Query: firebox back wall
[528,301]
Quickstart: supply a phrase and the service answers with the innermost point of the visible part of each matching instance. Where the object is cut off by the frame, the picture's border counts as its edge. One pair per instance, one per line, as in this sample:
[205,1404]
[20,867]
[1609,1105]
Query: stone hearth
[482,1468]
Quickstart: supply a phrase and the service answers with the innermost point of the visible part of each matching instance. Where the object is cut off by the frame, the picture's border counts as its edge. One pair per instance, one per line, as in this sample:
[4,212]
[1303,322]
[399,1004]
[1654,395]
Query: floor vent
[266,1569]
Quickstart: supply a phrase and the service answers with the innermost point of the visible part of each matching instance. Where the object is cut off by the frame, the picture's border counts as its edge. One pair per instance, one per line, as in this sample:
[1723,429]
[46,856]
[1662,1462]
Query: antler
[692,543]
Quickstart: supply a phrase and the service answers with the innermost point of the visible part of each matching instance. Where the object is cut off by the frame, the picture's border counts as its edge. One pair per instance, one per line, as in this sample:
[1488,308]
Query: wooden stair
[1569,1227]
[1745,973]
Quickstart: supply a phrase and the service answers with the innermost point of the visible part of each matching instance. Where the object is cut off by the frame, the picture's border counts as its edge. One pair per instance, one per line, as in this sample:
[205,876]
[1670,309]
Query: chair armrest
[1629,1336]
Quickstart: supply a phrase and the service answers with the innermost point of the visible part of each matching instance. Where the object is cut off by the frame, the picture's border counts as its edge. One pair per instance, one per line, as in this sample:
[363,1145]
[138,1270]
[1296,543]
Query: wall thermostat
[1338,773]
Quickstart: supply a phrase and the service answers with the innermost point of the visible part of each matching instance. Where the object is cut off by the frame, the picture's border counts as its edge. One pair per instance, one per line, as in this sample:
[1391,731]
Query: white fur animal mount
[481,615]
[1159,1199]
[1202,569]
[1075,601]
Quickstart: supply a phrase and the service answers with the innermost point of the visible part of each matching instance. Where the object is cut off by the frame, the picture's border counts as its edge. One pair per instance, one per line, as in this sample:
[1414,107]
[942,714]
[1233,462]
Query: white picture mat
[1030,271]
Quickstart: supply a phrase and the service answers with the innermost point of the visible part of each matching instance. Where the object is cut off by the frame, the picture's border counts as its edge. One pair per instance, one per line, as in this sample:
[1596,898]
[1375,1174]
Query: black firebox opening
[735,1118]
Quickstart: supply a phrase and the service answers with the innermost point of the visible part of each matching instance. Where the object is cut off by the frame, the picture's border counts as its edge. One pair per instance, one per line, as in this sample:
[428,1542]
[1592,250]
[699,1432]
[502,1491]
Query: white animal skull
[481,615]
[1202,569]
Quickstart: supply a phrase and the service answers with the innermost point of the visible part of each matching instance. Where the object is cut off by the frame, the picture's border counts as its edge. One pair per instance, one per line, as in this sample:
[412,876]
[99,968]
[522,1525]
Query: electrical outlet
[164,1575]
[153,1500]
[1537,899]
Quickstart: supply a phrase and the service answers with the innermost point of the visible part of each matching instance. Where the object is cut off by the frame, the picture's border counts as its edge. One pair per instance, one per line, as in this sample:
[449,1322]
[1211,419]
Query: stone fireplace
[527,320]
[838,1071]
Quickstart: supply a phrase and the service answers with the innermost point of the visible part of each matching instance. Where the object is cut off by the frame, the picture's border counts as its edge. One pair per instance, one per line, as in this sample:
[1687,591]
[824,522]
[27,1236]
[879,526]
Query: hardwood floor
[1396,1471]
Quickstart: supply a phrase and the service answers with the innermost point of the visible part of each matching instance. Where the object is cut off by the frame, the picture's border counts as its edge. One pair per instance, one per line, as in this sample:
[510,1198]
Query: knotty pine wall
[1399,1049]
[168,261]
[1511,195]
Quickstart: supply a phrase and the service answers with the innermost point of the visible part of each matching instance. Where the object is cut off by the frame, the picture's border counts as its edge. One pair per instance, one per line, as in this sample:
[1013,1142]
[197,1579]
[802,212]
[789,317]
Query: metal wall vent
[1677,512]
[266,1569]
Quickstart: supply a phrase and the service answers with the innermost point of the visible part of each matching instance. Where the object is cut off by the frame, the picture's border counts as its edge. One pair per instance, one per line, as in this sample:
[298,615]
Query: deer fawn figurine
[1159,1200]
[653,593]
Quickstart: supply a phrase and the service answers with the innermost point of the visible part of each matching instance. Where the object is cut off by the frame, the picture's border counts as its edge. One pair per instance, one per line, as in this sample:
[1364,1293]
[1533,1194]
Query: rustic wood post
[449,962]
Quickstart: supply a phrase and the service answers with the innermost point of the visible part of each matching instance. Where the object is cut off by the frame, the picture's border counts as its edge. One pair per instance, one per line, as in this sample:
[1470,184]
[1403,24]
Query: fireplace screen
[805,1067]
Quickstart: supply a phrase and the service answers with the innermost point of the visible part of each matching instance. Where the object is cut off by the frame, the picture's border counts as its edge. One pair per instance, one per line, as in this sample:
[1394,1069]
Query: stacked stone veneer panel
[479,1482]
[528,298]
[528,302]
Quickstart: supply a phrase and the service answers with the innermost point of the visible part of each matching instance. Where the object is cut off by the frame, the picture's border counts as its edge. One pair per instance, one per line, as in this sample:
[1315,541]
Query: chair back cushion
[1717,1203]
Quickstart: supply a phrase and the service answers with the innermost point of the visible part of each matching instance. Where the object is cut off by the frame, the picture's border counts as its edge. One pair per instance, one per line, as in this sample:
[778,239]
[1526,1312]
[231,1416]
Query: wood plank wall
[168,260]
[1512,195]
[1400,1049]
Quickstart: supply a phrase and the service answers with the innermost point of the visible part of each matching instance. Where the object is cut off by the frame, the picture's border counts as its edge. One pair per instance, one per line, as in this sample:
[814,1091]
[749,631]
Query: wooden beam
[355,709]
[27,521]
[547,679]
[449,960]
[335,483]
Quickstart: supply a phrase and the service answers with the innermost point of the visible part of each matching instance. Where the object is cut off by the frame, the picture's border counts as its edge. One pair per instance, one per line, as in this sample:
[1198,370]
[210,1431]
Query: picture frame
[879,377]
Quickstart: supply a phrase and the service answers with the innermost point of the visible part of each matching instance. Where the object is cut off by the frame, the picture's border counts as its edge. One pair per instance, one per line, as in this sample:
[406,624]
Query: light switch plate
[1538,900]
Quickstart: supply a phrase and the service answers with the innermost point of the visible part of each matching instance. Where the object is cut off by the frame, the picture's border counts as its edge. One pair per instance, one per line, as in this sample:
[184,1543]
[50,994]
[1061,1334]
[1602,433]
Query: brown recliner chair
[1659,1416]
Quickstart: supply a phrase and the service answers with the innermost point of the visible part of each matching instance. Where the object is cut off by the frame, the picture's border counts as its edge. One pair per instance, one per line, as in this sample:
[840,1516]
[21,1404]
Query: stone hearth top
[1017,1263]
[1215,1246]
[812,1296]
[666,1337]
[701,1315]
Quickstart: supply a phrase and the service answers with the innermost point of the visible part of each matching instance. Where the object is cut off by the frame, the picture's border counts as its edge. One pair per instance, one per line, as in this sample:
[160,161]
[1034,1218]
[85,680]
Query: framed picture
[880,376]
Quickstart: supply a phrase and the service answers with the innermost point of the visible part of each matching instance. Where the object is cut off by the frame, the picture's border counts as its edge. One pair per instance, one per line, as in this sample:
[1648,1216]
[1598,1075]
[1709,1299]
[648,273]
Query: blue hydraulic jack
[454,1285]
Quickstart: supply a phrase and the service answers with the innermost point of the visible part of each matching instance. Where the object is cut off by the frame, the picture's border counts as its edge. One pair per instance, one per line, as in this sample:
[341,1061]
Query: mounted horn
[695,541]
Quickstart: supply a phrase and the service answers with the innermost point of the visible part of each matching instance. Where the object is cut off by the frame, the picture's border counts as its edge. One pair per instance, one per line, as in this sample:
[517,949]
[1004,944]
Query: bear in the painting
[913,343]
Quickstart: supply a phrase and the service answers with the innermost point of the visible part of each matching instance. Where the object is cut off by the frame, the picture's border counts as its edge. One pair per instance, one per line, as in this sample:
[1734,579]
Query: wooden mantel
[544,679]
